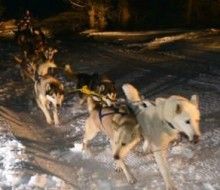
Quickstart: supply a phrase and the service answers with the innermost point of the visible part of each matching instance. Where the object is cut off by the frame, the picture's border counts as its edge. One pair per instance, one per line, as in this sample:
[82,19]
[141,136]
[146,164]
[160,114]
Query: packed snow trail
[34,155]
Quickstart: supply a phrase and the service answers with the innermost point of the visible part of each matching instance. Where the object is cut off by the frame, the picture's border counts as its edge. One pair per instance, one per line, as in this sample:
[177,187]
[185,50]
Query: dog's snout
[58,105]
[196,139]
[116,157]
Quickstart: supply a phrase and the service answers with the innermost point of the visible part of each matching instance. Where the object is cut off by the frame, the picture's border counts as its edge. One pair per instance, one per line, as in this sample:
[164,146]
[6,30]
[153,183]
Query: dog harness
[115,111]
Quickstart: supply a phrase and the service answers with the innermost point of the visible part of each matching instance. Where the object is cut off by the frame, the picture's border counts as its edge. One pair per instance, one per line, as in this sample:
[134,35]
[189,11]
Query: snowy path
[41,157]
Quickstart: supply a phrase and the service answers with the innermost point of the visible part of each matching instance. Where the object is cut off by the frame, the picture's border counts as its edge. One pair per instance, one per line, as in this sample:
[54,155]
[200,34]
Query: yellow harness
[85,90]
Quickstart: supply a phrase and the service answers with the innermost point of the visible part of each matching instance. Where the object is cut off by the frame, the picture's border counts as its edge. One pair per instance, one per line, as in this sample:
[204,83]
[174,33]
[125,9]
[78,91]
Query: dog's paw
[56,122]
[132,180]
[50,122]
[118,169]
[140,153]
[57,125]
[171,187]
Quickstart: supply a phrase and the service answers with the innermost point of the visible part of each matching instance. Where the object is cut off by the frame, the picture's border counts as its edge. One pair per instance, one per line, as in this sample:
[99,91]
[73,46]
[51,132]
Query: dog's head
[126,132]
[182,113]
[108,89]
[31,68]
[49,53]
[55,94]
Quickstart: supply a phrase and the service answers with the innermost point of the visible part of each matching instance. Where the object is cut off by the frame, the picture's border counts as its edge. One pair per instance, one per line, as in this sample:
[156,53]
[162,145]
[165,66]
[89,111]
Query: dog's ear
[195,100]
[61,86]
[142,97]
[102,88]
[178,108]
[55,51]
[46,54]
[159,100]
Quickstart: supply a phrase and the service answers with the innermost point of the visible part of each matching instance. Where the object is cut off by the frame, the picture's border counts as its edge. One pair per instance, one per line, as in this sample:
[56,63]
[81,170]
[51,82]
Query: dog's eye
[123,144]
[187,121]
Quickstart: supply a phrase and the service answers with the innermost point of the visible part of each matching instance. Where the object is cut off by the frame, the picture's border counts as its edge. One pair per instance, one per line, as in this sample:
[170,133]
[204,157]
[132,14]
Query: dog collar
[170,125]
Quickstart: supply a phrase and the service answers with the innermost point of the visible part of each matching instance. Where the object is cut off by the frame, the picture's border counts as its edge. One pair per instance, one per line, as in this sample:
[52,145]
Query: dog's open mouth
[183,137]
[195,139]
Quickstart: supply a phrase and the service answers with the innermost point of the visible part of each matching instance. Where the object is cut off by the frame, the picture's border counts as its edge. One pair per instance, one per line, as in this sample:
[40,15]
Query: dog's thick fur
[161,124]
[27,66]
[122,130]
[43,69]
[100,84]
[35,64]
[49,93]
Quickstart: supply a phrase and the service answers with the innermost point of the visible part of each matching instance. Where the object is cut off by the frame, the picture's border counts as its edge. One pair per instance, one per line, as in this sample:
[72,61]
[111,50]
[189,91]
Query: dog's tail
[68,71]
[18,60]
[131,93]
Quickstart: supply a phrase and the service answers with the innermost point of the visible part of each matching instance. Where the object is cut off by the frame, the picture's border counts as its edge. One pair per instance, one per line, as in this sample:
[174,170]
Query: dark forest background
[127,14]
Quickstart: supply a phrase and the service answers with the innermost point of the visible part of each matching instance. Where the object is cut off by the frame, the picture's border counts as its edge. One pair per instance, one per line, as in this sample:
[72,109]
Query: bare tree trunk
[97,14]
[92,17]
[189,11]
[124,12]
[102,16]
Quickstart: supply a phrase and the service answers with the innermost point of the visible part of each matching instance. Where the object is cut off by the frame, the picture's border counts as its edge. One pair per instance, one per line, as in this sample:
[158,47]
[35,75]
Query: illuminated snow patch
[77,148]
[208,186]
[12,152]
[38,181]
[186,152]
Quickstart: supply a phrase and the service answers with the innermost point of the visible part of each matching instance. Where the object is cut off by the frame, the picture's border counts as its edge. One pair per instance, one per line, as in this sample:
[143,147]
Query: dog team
[127,122]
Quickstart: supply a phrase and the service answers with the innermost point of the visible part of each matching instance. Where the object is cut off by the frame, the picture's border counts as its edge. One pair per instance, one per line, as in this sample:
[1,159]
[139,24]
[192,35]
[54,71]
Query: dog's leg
[90,132]
[55,116]
[22,75]
[45,111]
[118,167]
[129,176]
[146,146]
[161,160]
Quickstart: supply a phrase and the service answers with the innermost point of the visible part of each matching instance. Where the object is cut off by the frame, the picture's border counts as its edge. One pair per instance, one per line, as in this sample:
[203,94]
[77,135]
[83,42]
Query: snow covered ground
[36,156]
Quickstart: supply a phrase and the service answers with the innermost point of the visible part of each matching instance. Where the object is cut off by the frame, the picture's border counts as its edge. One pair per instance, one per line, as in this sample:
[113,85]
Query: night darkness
[92,87]
[39,8]
[143,13]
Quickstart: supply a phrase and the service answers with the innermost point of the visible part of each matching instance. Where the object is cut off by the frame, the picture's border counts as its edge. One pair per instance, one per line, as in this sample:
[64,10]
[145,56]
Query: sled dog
[43,69]
[49,94]
[98,83]
[26,66]
[161,123]
[121,128]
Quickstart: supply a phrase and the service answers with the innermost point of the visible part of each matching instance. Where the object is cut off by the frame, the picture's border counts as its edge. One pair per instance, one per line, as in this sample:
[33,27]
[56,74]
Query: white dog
[162,122]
